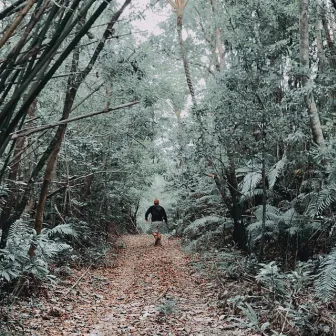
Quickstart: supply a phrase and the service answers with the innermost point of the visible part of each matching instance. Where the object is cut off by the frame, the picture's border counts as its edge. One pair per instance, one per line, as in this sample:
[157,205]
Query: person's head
[156,201]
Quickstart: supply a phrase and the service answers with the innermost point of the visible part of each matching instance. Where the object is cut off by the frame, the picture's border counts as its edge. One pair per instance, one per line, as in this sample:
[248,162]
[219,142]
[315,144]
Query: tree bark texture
[315,123]
[331,57]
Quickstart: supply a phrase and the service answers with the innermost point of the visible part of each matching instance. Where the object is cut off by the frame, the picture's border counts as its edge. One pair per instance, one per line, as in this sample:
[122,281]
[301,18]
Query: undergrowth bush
[55,250]
[268,300]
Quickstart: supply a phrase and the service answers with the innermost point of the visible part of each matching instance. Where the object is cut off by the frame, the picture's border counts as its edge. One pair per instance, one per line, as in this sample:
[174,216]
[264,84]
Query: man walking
[158,216]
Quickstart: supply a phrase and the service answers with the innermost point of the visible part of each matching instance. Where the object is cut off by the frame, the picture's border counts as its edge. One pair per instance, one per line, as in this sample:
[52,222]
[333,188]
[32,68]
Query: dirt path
[150,291]
[155,294]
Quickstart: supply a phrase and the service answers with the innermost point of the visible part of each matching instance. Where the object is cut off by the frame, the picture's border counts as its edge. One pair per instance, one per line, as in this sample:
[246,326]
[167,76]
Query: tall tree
[179,7]
[315,123]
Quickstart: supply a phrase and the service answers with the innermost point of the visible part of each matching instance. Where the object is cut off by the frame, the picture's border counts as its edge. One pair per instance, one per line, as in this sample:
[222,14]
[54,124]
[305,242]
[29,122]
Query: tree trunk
[87,186]
[185,58]
[18,150]
[331,58]
[315,123]
[264,204]
[219,44]
[16,22]
[221,53]
[43,79]
[5,220]
[319,46]
[72,88]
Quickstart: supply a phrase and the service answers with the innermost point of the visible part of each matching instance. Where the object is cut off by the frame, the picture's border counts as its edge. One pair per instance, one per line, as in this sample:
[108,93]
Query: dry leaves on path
[151,291]
[156,295]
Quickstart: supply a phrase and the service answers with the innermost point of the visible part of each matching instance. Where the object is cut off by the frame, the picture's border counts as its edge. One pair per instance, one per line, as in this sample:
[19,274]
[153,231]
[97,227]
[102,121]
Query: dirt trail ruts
[155,292]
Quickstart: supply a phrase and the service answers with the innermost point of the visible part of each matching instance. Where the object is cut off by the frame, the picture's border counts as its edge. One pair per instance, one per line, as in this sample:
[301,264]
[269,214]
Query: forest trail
[149,291]
[151,279]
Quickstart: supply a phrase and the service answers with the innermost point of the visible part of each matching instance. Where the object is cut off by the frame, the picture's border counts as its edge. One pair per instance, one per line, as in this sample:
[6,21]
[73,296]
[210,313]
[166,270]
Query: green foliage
[271,277]
[252,319]
[325,283]
[252,175]
[15,261]
[321,200]
[202,226]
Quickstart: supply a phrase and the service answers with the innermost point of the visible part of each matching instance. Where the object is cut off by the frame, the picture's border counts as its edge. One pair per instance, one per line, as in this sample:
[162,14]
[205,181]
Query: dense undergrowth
[283,282]
[265,299]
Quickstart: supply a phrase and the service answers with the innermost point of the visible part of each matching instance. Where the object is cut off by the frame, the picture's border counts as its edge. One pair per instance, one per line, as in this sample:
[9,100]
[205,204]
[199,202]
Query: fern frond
[289,215]
[50,248]
[253,193]
[325,284]
[322,200]
[296,137]
[249,168]
[250,182]
[272,213]
[255,229]
[275,171]
[4,191]
[19,227]
[62,230]
[293,230]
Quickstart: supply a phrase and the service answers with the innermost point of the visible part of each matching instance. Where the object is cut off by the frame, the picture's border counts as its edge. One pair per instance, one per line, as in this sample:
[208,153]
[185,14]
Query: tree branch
[26,132]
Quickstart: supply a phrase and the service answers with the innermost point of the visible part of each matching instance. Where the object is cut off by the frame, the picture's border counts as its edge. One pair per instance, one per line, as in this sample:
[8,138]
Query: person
[158,216]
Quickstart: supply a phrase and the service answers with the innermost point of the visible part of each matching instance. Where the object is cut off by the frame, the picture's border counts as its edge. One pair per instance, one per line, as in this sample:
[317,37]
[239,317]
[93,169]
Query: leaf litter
[149,291]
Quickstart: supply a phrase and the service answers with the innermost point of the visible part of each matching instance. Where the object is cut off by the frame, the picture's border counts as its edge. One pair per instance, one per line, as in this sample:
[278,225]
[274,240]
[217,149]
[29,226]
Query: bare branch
[26,132]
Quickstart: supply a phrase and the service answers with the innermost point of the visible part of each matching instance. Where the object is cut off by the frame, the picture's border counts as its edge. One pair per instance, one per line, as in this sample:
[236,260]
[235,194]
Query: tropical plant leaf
[325,284]
[276,171]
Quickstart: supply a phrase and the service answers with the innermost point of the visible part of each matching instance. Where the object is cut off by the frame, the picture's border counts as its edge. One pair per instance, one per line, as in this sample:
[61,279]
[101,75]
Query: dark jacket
[158,213]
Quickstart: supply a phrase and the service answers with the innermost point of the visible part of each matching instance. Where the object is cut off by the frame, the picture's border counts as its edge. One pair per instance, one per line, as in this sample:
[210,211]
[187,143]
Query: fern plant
[252,175]
[4,193]
[276,222]
[325,283]
[321,200]
[14,259]
[271,277]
